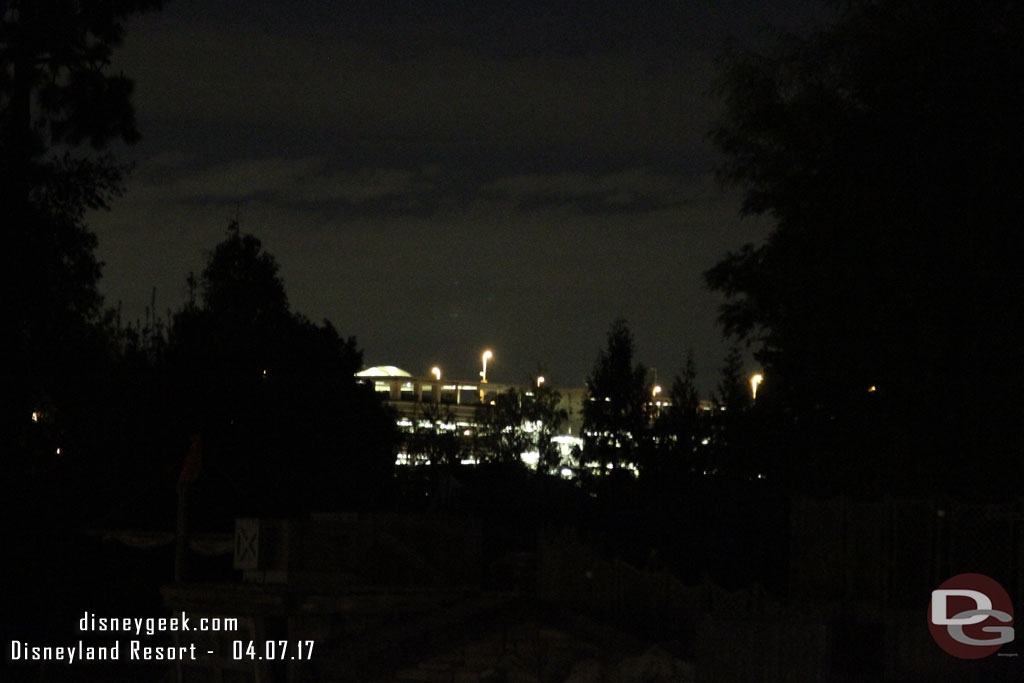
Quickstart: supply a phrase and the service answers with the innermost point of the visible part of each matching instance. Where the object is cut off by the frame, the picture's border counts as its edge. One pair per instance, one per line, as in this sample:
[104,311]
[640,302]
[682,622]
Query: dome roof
[383,371]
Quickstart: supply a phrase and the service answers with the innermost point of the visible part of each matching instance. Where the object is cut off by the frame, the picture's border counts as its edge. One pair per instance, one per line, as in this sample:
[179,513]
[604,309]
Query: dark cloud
[603,106]
[436,177]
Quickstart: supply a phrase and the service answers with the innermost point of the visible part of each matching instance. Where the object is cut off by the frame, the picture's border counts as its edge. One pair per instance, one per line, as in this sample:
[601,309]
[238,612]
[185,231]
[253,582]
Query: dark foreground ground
[732,583]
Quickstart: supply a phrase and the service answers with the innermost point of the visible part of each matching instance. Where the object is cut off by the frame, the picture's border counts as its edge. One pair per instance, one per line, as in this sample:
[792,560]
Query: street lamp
[483,373]
[540,380]
[754,381]
[436,371]
[655,404]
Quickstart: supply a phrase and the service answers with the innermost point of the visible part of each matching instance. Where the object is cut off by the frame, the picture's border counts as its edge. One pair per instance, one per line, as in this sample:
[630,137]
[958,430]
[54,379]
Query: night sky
[437,178]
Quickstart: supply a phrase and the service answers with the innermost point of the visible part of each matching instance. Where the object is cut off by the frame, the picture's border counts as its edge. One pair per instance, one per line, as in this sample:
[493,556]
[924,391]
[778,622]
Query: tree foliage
[60,108]
[521,421]
[733,394]
[886,149]
[436,440]
[242,282]
[501,428]
[615,411]
[547,417]
[679,427]
[57,96]
[287,427]
[680,431]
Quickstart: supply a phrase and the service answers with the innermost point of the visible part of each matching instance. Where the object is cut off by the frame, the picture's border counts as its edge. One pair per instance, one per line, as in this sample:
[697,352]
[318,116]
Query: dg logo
[970,616]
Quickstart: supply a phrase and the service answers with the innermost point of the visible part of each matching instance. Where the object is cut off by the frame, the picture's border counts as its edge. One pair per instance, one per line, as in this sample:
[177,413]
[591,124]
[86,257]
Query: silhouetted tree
[731,438]
[521,421]
[547,419]
[734,392]
[680,428]
[501,428]
[882,306]
[56,96]
[436,438]
[241,282]
[615,412]
[286,426]
[59,109]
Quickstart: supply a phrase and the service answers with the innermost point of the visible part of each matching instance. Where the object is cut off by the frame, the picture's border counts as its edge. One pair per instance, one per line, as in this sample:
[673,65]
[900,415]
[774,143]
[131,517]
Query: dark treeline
[885,303]
[250,403]
[883,307]
[60,108]
[96,417]
[282,426]
[99,415]
[662,479]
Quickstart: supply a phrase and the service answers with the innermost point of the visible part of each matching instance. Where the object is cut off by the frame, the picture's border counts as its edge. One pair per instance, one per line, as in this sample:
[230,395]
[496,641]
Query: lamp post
[655,403]
[540,380]
[435,388]
[483,373]
[754,381]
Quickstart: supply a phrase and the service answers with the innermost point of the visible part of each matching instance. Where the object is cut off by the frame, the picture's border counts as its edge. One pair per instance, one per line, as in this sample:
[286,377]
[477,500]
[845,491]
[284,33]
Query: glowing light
[754,382]
[540,380]
[872,388]
[486,357]
[656,390]
[436,371]
[35,417]
[383,371]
